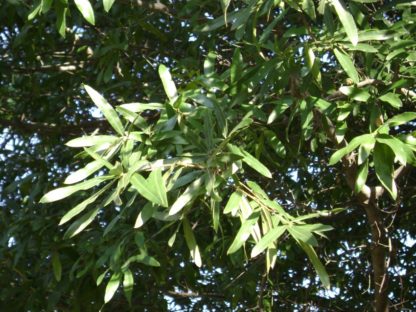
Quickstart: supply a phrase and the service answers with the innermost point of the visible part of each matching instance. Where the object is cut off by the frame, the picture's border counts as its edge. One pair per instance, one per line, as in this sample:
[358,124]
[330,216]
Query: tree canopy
[207,155]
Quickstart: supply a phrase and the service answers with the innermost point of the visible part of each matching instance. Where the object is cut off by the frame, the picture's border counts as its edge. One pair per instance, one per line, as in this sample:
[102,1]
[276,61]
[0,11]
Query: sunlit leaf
[107,110]
[347,20]
[112,286]
[85,7]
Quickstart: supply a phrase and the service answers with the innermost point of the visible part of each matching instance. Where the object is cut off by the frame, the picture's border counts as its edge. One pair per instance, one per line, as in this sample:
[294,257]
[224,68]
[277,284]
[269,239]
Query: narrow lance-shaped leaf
[66,191]
[347,20]
[87,141]
[85,7]
[157,184]
[267,240]
[191,242]
[243,233]
[128,283]
[383,163]
[83,173]
[81,206]
[233,202]
[56,266]
[317,264]
[347,65]
[112,287]
[108,111]
[168,84]
[144,215]
[79,225]
[148,189]
[361,176]
[188,195]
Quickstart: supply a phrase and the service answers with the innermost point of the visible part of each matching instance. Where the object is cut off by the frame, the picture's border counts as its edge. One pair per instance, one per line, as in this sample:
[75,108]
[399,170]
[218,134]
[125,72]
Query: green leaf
[191,242]
[112,286]
[361,177]
[83,173]
[362,139]
[79,225]
[46,5]
[144,215]
[36,10]
[84,6]
[301,233]
[209,63]
[383,163]
[233,202]
[355,93]
[108,4]
[243,233]
[251,161]
[193,190]
[107,110]
[66,191]
[93,140]
[81,206]
[347,20]
[347,65]
[142,258]
[61,12]
[128,284]
[392,99]
[56,266]
[395,145]
[267,240]
[153,188]
[400,119]
[317,264]
[309,7]
[168,84]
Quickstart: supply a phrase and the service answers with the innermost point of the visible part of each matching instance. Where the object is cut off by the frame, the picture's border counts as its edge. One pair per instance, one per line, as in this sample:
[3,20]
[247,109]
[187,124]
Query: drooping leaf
[128,284]
[191,242]
[85,7]
[347,20]
[362,174]
[301,233]
[383,163]
[347,65]
[243,233]
[317,264]
[112,286]
[56,266]
[153,189]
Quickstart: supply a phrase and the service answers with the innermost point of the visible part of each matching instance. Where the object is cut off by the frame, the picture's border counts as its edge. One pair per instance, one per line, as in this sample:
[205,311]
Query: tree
[229,155]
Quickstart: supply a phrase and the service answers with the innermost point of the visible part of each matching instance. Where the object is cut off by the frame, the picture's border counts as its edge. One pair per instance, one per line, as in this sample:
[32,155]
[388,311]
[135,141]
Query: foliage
[239,155]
